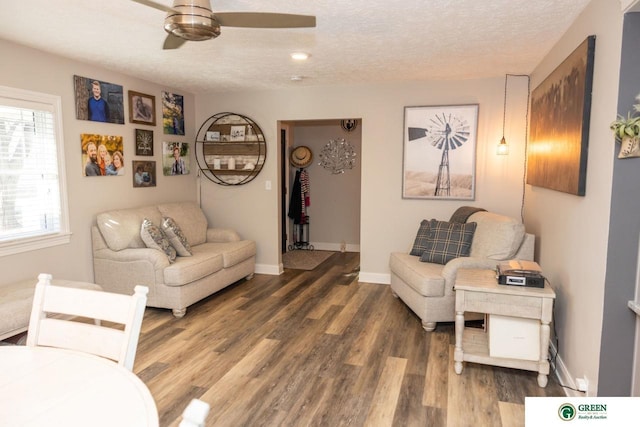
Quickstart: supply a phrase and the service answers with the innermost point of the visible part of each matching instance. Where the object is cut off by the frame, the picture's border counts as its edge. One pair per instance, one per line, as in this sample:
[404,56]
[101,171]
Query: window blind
[30,185]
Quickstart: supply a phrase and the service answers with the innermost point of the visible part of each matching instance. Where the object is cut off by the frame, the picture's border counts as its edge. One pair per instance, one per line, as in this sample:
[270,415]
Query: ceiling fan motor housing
[192,20]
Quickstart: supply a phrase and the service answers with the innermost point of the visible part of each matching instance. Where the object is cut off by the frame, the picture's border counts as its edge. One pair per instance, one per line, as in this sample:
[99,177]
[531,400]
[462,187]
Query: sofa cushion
[121,228]
[420,242]
[448,240]
[497,236]
[189,269]
[190,218]
[232,252]
[176,237]
[154,238]
[16,300]
[424,277]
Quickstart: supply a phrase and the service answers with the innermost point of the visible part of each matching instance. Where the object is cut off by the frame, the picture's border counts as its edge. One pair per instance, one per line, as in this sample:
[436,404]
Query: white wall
[388,223]
[572,231]
[38,71]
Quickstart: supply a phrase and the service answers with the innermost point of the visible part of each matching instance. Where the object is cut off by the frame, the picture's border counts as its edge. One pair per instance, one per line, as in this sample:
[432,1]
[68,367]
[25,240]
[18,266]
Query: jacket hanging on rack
[299,198]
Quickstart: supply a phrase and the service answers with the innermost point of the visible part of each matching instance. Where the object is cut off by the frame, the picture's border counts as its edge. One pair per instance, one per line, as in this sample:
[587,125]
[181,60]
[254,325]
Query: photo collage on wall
[103,155]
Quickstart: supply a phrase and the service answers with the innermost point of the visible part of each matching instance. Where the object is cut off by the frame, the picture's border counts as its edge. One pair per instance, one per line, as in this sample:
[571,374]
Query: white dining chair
[195,414]
[69,331]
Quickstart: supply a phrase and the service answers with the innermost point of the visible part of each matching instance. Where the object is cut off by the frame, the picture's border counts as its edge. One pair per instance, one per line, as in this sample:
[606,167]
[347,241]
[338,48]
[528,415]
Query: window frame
[63,235]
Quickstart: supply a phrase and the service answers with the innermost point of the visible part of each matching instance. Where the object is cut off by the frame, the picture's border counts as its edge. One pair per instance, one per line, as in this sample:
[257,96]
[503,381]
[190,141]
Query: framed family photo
[172,113]
[142,108]
[175,158]
[98,101]
[440,152]
[144,173]
[102,155]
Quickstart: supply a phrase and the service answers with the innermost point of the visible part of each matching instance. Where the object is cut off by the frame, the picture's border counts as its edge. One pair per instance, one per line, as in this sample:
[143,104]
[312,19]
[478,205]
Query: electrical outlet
[582,384]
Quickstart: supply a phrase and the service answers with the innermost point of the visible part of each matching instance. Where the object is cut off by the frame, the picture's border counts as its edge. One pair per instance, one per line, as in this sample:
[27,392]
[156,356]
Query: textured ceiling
[354,42]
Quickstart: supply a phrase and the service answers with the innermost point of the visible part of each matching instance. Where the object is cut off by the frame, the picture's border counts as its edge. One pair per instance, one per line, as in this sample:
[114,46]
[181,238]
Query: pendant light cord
[504,106]
[526,132]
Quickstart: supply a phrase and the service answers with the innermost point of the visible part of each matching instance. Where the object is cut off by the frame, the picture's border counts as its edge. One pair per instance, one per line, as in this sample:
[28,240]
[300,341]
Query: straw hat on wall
[301,157]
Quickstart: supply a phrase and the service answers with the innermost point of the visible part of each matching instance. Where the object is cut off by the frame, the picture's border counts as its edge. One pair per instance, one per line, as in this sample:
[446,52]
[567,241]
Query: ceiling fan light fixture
[194,21]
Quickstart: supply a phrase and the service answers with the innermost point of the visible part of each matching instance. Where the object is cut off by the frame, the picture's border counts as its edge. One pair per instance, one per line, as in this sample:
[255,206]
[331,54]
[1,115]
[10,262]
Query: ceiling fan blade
[264,20]
[173,42]
[155,5]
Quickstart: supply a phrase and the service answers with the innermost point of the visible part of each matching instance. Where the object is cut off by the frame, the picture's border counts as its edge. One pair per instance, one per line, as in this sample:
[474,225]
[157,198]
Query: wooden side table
[478,291]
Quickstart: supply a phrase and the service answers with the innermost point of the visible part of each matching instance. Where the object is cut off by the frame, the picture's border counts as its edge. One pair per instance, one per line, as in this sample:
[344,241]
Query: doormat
[303,259]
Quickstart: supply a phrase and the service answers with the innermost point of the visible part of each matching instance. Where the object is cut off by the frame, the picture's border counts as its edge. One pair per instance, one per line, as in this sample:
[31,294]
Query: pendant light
[503,147]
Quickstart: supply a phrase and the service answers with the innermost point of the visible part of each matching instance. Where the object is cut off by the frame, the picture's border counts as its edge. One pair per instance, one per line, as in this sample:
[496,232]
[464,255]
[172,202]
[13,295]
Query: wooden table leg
[458,354]
[543,365]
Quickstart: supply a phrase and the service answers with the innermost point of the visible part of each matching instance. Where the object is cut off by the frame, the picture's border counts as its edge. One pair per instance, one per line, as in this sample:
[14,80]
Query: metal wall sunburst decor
[337,156]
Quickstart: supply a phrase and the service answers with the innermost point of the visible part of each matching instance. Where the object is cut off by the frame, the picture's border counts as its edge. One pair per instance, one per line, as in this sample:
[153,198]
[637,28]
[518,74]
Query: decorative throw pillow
[154,238]
[448,240]
[176,237]
[420,243]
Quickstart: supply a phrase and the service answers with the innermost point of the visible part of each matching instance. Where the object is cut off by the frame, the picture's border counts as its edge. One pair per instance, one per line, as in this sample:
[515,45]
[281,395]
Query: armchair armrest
[450,270]
[222,235]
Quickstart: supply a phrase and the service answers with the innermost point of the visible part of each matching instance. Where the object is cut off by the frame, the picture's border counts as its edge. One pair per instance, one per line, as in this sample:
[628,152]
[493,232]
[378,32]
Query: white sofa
[122,260]
[428,288]
[16,300]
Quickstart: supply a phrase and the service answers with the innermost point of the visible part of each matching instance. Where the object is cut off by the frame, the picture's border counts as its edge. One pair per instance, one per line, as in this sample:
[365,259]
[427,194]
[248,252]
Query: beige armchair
[427,288]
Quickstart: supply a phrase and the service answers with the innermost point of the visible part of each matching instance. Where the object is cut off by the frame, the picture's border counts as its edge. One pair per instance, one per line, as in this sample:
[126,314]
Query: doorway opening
[332,200]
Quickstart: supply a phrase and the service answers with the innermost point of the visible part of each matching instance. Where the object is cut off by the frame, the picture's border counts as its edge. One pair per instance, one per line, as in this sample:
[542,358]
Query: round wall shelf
[230,149]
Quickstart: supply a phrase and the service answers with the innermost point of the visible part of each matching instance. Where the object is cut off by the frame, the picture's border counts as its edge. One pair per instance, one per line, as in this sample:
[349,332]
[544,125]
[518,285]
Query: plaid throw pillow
[420,243]
[448,240]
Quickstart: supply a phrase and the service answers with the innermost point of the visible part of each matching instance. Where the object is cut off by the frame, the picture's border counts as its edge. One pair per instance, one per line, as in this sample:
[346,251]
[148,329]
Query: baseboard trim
[563,375]
[271,269]
[378,278]
[336,247]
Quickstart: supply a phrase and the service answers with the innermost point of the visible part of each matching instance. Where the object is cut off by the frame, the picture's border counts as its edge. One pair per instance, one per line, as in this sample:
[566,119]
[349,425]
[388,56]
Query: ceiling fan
[193,20]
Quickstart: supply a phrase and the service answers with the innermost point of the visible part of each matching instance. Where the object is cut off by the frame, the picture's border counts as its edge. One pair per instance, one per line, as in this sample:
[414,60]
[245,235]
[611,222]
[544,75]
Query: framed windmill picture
[439,155]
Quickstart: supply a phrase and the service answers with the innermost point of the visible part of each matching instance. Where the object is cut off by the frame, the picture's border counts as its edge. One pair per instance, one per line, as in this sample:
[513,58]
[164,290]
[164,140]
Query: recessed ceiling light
[296,78]
[299,56]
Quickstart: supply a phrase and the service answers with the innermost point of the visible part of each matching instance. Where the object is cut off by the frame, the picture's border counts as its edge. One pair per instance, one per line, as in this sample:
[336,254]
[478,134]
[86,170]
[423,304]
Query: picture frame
[237,133]
[172,113]
[213,136]
[98,101]
[102,155]
[172,166]
[144,173]
[557,149]
[439,152]
[144,142]
[142,108]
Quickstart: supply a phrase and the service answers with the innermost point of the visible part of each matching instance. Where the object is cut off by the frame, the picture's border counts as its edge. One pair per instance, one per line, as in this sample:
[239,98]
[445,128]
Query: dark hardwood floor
[318,348]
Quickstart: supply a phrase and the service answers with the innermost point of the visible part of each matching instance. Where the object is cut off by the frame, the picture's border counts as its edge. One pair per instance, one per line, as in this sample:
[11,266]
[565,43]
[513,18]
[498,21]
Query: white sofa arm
[222,235]
[450,270]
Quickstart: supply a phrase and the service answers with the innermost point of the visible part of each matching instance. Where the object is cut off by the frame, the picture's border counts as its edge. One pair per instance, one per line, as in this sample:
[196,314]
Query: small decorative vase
[629,147]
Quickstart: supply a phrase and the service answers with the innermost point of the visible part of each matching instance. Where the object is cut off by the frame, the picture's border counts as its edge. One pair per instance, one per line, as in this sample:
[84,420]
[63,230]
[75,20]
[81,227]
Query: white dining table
[41,386]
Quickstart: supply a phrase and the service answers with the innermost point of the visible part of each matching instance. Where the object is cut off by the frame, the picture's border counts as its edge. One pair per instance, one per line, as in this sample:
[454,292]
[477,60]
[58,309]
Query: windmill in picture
[444,131]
